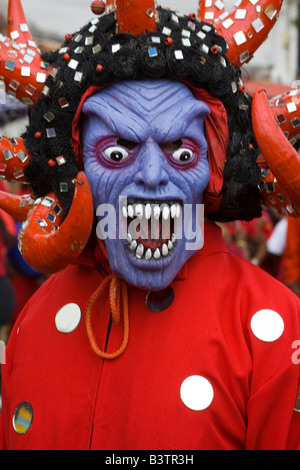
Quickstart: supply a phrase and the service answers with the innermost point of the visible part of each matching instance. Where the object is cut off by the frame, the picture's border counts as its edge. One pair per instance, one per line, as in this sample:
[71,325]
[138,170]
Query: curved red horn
[281,188]
[245,27]
[21,66]
[17,27]
[14,158]
[286,110]
[136,16]
[16,206]
[47,242]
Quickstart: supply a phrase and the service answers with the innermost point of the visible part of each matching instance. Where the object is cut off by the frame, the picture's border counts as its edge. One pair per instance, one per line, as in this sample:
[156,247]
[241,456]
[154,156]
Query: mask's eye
[116,154]
[183,155]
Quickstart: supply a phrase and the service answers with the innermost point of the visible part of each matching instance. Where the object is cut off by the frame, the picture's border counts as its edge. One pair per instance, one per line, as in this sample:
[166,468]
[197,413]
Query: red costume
[136,401]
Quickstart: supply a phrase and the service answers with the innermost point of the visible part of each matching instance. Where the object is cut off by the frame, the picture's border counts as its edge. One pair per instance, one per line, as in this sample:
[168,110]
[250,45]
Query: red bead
[192,16]
[242,88]
[67,57]
[68,37]
[99,68]
[51,162]
[98,7]
[169,41]
[38,135]
[214,50]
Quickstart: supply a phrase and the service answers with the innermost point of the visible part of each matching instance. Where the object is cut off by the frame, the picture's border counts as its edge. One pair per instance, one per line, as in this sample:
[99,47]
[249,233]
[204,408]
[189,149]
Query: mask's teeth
[133,245]
[164,250]
[139,210]
[166,212]
[129,238]
[139,251]
[148,211]
[173,238]
[170,245]
[173,211]
[156,212]
[148,254]
[156,254]
[130,211]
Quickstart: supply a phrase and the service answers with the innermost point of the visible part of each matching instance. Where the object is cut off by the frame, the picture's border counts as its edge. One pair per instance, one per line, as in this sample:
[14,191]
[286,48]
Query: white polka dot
[196,392]
[267,325]
[68,318]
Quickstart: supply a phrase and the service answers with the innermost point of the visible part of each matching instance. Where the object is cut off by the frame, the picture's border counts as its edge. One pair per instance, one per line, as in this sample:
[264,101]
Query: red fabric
[24,288]
[83,402]
[217,134]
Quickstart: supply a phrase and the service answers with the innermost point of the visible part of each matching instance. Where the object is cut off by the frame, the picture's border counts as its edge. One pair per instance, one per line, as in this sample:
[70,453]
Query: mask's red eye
[183,155]
[116,154]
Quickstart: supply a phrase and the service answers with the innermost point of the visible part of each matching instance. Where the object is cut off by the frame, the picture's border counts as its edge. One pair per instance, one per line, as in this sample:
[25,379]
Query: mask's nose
[152,170]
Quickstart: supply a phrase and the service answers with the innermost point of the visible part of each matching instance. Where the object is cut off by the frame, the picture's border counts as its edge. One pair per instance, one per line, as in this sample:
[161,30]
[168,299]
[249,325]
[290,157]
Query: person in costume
[154,339]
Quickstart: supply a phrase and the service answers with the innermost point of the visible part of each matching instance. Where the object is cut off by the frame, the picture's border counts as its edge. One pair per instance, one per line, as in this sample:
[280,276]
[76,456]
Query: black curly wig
[181,49]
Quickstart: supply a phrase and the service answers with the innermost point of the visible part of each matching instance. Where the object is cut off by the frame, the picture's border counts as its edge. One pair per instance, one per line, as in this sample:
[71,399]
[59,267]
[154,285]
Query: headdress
[136,40]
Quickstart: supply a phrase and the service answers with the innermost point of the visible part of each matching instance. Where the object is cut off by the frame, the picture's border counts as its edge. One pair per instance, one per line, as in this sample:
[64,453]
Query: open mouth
[151,227]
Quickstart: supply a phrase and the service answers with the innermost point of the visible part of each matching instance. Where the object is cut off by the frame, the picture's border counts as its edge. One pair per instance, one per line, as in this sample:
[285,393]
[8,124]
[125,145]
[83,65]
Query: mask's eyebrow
[172,123]
[121,120]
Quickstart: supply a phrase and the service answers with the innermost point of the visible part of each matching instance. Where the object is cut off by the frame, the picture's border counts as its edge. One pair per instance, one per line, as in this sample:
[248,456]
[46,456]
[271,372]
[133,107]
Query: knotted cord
[118,300]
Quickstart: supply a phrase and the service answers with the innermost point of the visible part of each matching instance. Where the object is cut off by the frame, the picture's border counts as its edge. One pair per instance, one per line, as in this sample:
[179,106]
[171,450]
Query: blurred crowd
[271,242]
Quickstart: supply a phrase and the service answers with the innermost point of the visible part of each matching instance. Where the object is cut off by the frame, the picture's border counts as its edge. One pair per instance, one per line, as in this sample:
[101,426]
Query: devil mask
[145,156]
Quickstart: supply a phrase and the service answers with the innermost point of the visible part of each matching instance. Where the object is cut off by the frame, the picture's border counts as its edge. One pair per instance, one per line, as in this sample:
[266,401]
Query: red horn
[245,27]
[286,111]
[280,183]
[136,16]
[47,242]
[17,27]
[21,66]
[14,158]
[16,206]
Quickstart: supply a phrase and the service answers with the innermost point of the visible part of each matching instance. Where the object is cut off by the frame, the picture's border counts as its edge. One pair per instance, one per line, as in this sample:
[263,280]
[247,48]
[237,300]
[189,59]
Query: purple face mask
[145,156]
